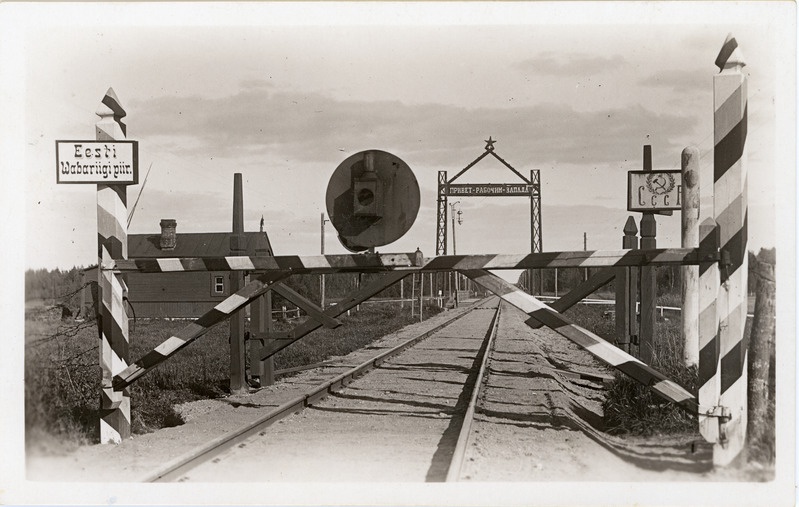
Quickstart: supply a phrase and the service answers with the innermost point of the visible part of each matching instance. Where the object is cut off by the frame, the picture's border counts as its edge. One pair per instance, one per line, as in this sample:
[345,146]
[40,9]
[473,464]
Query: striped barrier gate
[112,244]
[349,263]
[232,304]
[401,265]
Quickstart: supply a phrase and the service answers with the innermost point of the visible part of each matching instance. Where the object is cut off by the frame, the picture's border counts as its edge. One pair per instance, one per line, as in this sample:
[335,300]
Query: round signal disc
[372,199]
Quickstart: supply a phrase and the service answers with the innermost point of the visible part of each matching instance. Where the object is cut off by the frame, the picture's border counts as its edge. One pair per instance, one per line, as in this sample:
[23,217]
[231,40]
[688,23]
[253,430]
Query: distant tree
[767,255]
[56,285]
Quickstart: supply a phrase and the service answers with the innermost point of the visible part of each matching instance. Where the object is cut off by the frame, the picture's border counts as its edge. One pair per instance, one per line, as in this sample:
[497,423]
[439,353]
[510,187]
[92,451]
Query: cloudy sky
[283,93]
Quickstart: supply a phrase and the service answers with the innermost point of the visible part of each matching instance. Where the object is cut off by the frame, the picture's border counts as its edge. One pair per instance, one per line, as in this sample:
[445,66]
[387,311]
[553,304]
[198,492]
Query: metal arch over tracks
[529,187]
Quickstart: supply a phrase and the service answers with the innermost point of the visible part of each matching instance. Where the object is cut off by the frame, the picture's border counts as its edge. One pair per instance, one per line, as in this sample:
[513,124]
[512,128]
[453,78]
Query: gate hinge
[723,413]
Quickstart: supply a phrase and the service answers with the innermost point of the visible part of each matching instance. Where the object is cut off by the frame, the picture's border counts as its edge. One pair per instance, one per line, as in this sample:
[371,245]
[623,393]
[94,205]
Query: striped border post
[730,208]
[112,243]
[709,380]
[690,239]
[592,343]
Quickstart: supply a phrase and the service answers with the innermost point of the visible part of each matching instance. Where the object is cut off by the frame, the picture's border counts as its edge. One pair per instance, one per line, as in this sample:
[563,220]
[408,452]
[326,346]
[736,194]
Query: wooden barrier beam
[197,328]
[584,289]
[389,262]
[592,343]
[292,263]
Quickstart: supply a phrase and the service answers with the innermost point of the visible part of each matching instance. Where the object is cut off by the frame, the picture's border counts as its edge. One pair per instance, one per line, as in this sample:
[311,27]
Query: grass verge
[631,408]
[62,376]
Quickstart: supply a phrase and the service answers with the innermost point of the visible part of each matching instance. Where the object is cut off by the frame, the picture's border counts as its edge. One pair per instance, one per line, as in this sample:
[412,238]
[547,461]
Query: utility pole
[322,276]
[585,249]
[454,249]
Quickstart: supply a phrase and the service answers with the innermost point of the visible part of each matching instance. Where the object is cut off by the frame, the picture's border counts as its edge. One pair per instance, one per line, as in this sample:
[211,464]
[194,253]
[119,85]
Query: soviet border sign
[654,190]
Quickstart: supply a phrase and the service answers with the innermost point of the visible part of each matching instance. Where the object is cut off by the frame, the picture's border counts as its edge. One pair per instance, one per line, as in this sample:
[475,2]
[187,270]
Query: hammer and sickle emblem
[660,184]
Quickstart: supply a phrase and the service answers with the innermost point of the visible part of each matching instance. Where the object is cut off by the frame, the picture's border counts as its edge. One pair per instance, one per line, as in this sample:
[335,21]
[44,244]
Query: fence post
[421,297]
[648,278]
[626,290]
[261,329]
[112,234]
[760,351]
[413,294]
[730,208]
[260,333]
[238,380]
[690,239]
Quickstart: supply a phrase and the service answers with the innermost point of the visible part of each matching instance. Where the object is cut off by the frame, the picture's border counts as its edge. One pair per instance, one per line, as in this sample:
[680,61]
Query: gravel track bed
[540,418]
[397,423]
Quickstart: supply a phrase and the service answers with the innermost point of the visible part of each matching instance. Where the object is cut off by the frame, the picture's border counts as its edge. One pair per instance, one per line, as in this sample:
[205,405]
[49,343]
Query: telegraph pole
[454,249]
[585,249]
[322,276]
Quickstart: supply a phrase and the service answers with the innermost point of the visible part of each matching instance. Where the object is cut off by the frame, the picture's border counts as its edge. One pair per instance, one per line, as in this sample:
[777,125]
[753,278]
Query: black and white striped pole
[112,244]
[730,99]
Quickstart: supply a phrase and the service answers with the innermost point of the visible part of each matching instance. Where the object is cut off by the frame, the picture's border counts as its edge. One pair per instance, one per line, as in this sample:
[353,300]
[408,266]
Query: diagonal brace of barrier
[577,294]
[600,348]
[310,308]
[352,301]
[196,329]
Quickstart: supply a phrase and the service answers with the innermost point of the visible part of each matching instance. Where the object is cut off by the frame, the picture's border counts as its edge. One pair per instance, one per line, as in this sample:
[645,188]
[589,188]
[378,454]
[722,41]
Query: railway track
[229,447]
[460,402]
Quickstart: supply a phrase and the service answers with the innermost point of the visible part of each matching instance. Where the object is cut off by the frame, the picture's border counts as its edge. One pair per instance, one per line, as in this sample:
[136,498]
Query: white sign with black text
[109,162]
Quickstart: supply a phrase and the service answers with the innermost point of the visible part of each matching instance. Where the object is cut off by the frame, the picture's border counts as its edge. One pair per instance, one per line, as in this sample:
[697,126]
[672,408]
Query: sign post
[648,232]
[111,162]
[112,235]
[690,239]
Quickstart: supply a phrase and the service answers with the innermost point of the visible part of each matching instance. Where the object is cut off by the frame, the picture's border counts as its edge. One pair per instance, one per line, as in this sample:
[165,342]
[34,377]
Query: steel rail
[458,455]
[174,469]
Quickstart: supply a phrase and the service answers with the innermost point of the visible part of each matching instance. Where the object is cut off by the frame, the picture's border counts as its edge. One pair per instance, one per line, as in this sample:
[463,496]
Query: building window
[219,284]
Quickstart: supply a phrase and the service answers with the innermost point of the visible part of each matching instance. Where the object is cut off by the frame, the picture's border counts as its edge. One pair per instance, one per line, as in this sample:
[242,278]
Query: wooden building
[182,295]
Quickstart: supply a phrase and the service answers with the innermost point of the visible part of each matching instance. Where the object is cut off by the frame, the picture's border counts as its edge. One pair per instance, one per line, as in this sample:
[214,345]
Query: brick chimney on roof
[169,237]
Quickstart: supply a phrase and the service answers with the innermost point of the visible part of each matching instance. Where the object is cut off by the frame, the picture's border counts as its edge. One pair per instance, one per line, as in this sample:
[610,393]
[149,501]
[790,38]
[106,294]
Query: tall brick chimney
[168,235]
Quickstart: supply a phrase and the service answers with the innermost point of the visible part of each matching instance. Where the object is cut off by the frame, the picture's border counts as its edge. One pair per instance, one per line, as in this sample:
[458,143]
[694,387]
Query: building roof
[197,244]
